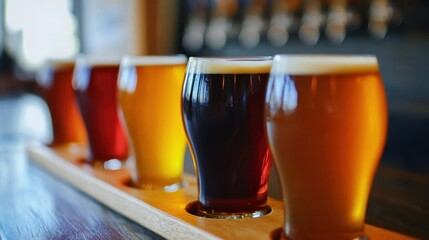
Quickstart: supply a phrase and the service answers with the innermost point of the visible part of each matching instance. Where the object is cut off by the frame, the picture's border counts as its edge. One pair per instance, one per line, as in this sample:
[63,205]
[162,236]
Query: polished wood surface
[34,204]
[399,200]
[160,211]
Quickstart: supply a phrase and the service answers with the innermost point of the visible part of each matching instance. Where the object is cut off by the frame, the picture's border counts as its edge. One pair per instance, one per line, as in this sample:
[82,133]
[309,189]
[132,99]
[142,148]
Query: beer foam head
[324,64]
[98,60]
[59,63]
[44,75]
[153,60]
[243,65]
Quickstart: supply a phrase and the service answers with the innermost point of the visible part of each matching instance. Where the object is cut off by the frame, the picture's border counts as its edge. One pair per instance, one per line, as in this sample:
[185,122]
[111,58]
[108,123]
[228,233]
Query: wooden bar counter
[162,212]
[46,194]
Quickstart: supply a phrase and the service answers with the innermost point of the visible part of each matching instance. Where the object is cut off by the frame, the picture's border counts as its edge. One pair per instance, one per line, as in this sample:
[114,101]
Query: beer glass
[150,94]
[55,87]
[95,83]
[326,120]
[223,114]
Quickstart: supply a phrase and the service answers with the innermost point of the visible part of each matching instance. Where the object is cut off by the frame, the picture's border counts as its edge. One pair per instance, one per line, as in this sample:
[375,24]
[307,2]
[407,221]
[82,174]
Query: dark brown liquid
[223,116]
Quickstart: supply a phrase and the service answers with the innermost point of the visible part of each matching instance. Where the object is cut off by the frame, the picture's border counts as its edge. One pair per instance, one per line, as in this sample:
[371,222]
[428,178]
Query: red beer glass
[95,84]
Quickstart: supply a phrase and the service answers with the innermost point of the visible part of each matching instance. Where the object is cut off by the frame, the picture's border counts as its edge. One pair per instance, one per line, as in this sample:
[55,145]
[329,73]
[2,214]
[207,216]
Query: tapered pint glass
[326,121]
[55,87]
[95,83]
[150,94]
[223,114]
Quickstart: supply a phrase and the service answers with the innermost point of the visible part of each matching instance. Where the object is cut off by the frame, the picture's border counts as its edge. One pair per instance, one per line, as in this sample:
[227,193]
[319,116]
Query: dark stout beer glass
[223,107]
[326,120]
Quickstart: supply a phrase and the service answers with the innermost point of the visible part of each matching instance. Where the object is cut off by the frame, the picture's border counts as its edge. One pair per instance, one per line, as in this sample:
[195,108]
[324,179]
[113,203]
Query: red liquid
[96,91]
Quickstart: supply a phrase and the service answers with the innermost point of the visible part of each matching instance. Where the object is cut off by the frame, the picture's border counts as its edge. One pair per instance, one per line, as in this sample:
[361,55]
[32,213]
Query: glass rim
[303,64]
[57,63]
[98,60]
[229,65]
[148,60]
[233,59]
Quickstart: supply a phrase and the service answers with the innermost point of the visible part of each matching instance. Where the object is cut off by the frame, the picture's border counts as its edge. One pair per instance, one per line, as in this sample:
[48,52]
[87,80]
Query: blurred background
[396,31]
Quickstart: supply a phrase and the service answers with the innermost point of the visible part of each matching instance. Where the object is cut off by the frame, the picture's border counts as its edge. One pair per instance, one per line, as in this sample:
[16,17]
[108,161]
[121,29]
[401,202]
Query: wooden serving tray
[162,212]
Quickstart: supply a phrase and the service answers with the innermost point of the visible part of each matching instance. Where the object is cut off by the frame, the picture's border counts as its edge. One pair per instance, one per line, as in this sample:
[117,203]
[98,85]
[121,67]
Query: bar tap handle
[337,20]
[380,14]
[220,23]
[312,20]
[193,36]
[282,20]
[253,24]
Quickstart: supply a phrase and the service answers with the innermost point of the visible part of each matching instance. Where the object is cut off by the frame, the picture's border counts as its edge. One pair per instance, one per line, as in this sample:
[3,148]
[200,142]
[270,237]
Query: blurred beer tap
[282,20]
[381,13]
[253,24]
[337,21]
[220,23]
[193,36]
[312,21]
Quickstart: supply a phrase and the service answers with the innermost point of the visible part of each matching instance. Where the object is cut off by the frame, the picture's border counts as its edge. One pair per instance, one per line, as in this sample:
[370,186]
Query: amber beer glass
[150,95]
[223,114]
[55,87]
[95,84]
[326,120]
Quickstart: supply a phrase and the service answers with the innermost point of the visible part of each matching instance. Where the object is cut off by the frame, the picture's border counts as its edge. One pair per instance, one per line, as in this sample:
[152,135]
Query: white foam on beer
[44,74]
[98,60]
[324,64]
[153,60]
[229,65]
[58,63]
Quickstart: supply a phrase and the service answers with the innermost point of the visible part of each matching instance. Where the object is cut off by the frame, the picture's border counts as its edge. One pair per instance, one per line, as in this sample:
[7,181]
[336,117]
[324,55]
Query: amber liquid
[58,93]
[326,134]
[96,91]
[150,99]
[223,117]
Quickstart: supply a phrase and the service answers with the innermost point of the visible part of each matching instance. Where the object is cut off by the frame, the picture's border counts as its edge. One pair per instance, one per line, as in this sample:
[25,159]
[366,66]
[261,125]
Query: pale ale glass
[326,121]
[55,87]
[223,113]
[150,94]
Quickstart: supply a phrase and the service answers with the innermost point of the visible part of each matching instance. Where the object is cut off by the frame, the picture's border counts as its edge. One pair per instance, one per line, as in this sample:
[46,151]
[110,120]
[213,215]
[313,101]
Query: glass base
[72,147]
[235,215]
[111,164]
[340,236]
[167,186]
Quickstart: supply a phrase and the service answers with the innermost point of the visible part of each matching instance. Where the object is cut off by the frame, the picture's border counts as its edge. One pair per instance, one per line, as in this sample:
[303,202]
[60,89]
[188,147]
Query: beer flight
[321,119]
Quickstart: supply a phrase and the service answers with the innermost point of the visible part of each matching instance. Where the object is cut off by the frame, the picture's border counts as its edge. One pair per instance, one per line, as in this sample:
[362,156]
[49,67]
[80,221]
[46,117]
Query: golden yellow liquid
[150,99]
[327,134]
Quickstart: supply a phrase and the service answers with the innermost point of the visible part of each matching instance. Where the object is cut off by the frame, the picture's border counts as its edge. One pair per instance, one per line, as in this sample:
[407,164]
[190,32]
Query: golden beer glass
[150,95]
[326,121]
